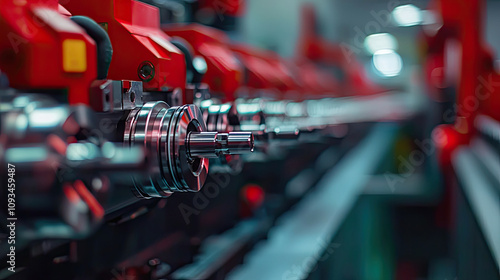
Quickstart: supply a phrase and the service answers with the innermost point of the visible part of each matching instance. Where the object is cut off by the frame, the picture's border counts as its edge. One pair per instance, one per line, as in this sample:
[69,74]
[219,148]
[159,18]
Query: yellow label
[74,55]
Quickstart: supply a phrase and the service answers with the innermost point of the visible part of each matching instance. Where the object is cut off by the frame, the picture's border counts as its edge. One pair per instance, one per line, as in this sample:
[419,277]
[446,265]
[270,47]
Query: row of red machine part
[118,47]
[458,59]
[43,49]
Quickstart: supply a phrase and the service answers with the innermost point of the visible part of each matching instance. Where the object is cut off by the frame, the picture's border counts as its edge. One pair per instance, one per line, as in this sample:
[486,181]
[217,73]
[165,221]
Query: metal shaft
[214,144]
[261,133]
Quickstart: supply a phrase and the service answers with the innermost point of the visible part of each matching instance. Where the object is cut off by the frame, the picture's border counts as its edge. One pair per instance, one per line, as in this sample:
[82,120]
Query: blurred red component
[470,20]
[71,194]
[266,73]
[265,70]
[42,49]
[141,51]
[435,75]
[89,199]
[253,197]
[57,144]
[491,86]
[447,139]
[224,7]
[312,46]
[224,72]
[477,80]
[315,82]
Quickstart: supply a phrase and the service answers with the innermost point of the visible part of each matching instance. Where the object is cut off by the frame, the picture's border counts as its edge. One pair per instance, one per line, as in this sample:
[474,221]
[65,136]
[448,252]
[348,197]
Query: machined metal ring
[162,131]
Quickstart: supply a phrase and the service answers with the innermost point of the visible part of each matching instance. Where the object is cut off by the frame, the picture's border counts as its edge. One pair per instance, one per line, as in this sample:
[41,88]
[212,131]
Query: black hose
[103,43]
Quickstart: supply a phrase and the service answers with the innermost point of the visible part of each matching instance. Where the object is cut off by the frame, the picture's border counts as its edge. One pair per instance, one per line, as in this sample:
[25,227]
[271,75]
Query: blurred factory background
[234,139]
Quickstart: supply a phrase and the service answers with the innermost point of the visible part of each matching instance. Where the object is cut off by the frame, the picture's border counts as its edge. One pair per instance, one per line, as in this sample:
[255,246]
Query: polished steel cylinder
[162,131]
[178,146]
[214,144]
[203,144]
[239,143]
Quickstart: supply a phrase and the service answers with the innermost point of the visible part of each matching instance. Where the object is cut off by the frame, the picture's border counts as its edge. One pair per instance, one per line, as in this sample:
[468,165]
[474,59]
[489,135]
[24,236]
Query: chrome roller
[179,146]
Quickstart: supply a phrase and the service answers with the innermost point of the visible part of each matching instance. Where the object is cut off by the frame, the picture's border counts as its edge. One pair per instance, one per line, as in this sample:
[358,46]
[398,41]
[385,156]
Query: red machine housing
[319,50]
[223,7]
[315,82]
[138,42]
[40,49]
[478,86]
[266,73]
[224,72]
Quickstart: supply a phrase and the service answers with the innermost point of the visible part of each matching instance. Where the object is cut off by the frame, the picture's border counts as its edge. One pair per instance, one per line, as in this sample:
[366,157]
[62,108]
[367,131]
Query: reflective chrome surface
[179,147]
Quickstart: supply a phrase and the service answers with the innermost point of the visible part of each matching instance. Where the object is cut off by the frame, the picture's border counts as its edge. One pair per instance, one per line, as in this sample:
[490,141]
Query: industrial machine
[146,140]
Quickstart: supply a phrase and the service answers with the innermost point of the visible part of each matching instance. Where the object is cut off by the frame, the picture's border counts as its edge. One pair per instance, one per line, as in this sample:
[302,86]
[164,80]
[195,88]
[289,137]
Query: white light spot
[407,15]
[200,64]
[380,41]
[47,117]
[206,103]
[388,63]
